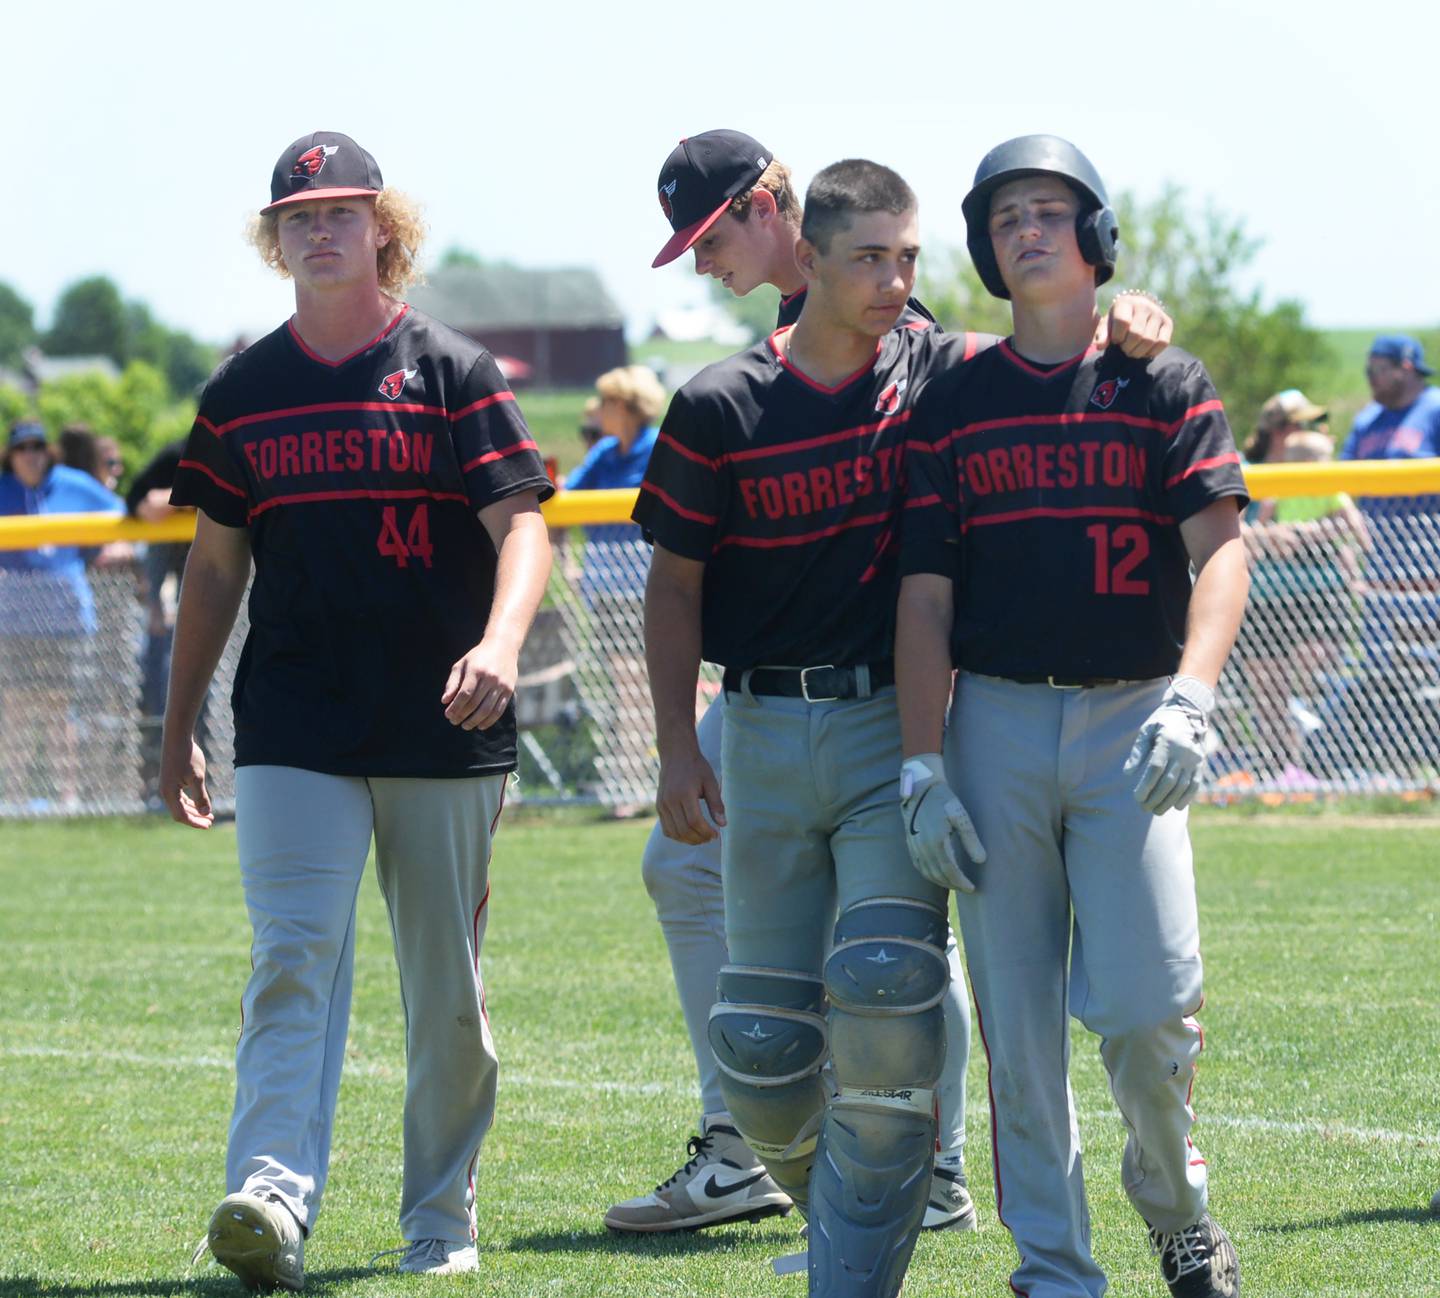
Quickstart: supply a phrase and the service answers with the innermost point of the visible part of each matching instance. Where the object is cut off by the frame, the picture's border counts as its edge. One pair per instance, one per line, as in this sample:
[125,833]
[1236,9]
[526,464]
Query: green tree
[14,406]
[17,325]
[1195,263]
[90,320]
[136,409]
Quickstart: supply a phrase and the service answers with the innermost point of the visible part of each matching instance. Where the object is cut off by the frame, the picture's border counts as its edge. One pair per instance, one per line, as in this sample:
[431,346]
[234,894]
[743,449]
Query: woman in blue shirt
[47,616]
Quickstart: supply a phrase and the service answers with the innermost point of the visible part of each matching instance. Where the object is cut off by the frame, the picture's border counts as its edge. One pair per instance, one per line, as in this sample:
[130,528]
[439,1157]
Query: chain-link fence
[1333,688]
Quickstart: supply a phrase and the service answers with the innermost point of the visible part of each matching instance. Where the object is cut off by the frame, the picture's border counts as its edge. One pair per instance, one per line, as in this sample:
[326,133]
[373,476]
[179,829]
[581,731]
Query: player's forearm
[672,657]
[922,662]
[210,595]
[1217,604]
[522,570]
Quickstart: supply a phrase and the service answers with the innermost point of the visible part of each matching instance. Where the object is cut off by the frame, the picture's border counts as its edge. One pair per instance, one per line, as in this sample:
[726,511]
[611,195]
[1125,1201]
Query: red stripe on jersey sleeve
[1073,511]
[481,404]
[1212,407]
[671,503]
[330,407]
[681,449]
[213,476]
[312,497]
[1200,466]
[778,542]
[525,444]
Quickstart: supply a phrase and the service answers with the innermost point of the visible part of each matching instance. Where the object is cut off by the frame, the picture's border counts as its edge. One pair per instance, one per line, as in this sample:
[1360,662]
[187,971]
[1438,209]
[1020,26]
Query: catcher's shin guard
[886,977]
[768,1034]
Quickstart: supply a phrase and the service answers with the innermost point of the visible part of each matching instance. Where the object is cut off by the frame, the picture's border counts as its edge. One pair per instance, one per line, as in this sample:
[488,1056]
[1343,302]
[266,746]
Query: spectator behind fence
[1304,581]
[47,619]
[1402,422]
[148,499]
[617,561]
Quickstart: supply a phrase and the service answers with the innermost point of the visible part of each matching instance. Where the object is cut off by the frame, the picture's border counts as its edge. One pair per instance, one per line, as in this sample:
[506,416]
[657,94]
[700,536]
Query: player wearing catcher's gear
[730,202]
[375,466]
[1057,498]
[773,497]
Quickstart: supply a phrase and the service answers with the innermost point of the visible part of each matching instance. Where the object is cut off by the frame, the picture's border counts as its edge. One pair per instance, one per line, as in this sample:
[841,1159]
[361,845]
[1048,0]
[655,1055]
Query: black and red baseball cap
[323,164]
[699,179]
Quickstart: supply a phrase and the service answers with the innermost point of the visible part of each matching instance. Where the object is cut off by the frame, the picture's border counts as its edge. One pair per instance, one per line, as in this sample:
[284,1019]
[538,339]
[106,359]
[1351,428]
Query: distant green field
[126,942]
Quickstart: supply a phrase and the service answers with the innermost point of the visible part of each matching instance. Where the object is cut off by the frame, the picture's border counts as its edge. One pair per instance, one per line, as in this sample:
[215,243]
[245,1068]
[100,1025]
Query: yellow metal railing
[571,508]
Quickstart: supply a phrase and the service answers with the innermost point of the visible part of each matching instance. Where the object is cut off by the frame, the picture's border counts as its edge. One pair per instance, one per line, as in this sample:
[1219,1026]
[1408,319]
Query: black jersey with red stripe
[790,493]
[1053,498]
[915,312]
[359,482]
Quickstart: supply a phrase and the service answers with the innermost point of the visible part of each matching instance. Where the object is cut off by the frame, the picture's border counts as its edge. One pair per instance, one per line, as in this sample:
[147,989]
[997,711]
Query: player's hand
[1137,325]
[1169,751]
[480,687]
[933,818]
[684,784]
[182,785]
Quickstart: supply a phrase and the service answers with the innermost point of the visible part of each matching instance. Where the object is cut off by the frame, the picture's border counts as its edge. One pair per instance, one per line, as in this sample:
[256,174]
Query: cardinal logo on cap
[392,385]
[312,161]
[667,192]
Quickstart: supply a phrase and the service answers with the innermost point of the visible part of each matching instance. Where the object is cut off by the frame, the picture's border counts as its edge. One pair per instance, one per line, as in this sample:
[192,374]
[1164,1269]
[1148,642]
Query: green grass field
[126,942]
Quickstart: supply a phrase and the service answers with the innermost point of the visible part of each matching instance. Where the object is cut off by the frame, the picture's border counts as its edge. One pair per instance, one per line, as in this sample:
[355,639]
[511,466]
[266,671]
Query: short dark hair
[844,188]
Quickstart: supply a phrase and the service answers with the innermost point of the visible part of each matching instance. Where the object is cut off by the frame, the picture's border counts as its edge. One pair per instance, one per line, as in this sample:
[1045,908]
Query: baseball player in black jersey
[731,203]
[374,465]
[772,498]
[1057,498]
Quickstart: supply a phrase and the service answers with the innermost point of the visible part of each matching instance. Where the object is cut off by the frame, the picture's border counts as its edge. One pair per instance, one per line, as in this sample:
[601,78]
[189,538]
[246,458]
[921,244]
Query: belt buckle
[805,685]
[1050,681]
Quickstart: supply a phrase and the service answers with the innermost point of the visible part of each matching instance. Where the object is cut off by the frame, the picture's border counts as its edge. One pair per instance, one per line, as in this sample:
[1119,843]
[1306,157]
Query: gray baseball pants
[303,839]
[1085,905]
[684,882]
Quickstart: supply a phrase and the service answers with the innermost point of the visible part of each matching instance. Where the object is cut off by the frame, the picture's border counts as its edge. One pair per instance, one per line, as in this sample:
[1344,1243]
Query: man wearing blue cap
[1403,421]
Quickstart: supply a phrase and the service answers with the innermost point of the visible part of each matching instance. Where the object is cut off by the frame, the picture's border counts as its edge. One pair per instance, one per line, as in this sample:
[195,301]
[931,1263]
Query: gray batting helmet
[1096,229]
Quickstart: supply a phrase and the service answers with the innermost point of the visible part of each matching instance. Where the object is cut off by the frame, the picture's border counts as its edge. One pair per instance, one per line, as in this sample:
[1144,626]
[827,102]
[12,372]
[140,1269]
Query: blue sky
[139,137]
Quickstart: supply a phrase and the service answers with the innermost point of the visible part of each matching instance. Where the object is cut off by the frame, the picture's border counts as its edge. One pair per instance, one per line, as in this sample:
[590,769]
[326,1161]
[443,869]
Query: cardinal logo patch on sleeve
[312,161]
[392,385]
[888,402]
[1105,393]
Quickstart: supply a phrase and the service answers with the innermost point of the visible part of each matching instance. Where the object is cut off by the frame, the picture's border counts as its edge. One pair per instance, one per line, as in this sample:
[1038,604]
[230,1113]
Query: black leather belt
[1066,682]
[814,684]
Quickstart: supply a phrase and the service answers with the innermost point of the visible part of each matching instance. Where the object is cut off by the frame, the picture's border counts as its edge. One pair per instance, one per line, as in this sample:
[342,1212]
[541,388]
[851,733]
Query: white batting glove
[933,815]
[1169,751]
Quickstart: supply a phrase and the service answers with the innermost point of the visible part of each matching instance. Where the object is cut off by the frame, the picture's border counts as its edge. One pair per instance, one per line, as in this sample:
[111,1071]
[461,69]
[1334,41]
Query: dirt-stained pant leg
[683,881]
[303,838]
[1039,770]
[432,856]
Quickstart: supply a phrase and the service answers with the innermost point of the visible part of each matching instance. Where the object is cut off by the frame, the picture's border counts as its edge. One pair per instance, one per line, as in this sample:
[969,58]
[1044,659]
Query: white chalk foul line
[1316,1128]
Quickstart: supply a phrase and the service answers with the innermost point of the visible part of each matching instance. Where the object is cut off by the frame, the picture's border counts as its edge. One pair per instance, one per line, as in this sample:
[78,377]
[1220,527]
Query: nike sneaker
[722,1181]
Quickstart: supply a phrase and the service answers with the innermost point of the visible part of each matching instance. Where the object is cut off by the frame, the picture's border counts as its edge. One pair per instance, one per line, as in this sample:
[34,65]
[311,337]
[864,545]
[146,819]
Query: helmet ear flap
[1097,232]
[982,254]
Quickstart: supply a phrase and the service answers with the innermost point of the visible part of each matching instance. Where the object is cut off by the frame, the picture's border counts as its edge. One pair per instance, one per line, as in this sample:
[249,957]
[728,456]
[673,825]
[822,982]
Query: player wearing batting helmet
[731,203]
[375,467]
[1058,497]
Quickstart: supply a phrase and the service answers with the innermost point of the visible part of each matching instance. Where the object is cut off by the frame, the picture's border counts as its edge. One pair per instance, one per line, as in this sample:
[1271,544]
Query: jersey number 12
[1118,553]
[416,542]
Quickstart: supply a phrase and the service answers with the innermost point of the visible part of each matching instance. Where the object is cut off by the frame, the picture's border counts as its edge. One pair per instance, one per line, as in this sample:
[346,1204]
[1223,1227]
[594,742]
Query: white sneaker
[257,1238]
[950,1206]
[722,1181]
[439,1257]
